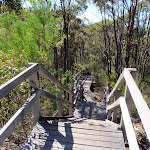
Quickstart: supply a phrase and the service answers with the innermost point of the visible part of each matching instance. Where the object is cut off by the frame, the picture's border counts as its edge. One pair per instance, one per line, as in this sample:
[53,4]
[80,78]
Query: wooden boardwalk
[88,130]
[90,107]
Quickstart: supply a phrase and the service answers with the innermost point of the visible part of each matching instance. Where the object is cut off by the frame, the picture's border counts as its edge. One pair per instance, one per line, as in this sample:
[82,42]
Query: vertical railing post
[71,98]
[114,116]
[70,106]
[107,93]
[81,92]
[127,95]
[36,111]
[107,88]
[59,106]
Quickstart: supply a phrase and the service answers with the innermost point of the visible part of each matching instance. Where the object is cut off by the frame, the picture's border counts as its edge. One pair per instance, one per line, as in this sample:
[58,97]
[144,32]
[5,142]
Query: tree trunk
[56,61]
[130,32]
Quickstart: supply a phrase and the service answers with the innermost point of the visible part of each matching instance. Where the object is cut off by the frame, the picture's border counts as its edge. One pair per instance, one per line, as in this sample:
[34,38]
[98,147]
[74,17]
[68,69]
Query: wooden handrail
[142,108]
[53,97]
[113,105]
[78,87]
[15,81]
[53,79]
[119,81]
[30,73]
[127,122]
[128,125]
[16,118]
[77,75]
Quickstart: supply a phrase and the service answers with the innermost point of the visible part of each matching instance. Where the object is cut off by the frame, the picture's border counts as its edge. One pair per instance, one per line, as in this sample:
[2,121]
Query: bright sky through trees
[91,15]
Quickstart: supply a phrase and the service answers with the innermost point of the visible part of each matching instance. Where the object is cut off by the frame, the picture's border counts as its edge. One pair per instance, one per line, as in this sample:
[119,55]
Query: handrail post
[36,111]
[59,106]
[70,106]
[81,92]
[107,88]
[117,95]
[71,98]
[107,93]
[127,95]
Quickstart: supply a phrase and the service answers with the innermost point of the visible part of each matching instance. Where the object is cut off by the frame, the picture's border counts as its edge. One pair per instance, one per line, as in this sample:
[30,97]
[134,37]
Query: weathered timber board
[88,130]
[44,136]
[101,126]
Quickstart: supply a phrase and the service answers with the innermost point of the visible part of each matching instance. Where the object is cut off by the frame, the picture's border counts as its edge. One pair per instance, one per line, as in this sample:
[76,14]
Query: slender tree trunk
[116,41]
[130,32]
[56,61]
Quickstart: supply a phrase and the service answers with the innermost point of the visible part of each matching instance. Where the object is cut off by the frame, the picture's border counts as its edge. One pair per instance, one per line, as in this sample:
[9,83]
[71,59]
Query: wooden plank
[42,134]
[132,69]
[36,110]
[57,132]
[99,132]
[65,140]
[91,122]
[15,81]
[53,97]
[100,127]
[15,119]
[120,80]
[53,145]
[53,79]
[139,101]
[113,105]
[47,118]
[77,75]
[78,147]
[128,125]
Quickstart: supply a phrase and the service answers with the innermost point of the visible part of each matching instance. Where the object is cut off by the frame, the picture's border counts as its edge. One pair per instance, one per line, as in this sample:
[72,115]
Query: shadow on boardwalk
[50,137]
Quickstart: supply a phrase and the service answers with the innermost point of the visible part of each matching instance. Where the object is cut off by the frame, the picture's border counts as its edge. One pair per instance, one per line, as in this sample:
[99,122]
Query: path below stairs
[90,107]
[88,130]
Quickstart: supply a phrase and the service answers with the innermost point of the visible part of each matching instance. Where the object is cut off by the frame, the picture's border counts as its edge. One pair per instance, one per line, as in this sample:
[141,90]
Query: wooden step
[64,135]
[88,130]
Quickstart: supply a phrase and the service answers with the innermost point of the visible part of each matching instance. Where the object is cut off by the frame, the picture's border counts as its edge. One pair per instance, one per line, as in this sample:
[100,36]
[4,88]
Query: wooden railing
[34,100]
[78,86]
[125,103]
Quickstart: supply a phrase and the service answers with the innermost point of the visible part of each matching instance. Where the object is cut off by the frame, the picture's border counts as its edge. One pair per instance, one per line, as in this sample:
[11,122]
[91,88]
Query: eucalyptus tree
[68,8]
[129,19]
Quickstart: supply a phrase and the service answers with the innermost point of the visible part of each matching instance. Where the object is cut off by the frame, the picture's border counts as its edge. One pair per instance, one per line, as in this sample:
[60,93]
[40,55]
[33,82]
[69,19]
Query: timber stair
[75,133]
[89,128]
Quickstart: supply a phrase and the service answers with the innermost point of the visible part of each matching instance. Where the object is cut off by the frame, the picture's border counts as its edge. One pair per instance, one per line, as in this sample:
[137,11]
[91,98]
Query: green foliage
[30,37]
[36,36]
[10,104]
